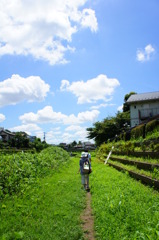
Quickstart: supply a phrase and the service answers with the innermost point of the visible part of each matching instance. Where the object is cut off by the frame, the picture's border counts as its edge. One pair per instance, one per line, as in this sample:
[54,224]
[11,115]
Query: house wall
[146,109]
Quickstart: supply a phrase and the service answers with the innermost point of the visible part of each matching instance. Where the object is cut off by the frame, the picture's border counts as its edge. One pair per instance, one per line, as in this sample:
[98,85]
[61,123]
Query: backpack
[86,166]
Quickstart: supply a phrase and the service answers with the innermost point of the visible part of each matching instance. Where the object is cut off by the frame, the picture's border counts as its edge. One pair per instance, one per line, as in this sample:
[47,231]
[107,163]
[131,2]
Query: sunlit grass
[49,210]
[123,207]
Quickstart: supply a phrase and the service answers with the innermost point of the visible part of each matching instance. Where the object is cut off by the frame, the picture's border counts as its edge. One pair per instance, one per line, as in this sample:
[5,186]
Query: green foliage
[120,146]
[123,208]
[103,150]
[38,145]
[152,126]
[20,170]
[126,107]
[156,147]
[48,210]
[19,141]
[109,128]
[138,131]
[128,147]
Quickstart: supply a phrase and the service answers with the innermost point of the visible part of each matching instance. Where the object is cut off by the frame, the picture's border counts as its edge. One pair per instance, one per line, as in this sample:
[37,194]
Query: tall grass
[123,207]
[48,210]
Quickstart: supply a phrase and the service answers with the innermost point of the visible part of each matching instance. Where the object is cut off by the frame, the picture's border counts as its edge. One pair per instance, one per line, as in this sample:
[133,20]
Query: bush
[152,126]
[103,150]
[138,132]
[127,136]
[17,171]
[156,148]
[129,147]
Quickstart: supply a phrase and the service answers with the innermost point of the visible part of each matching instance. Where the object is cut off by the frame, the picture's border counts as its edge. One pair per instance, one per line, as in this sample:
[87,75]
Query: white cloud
[2,117]
[47,115]
[89,19]
[99,88]
[52,136]
[76,132]
[42,29]
[120,108]
[17,89]
[102,105]
[69,137]
[146,54]
[74,128]
[28,128]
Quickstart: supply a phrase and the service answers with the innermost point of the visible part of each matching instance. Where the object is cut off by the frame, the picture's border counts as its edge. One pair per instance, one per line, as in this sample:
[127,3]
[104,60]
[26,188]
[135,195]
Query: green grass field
[50,208]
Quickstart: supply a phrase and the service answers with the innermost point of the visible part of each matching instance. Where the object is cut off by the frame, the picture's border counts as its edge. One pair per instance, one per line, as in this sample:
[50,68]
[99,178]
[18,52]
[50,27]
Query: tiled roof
[142,97]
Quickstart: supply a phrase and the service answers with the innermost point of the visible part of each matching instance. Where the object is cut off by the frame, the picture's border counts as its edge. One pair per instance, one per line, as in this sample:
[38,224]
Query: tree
[19,141]
[111,127]
[126,107]
[74,143]
[102,131]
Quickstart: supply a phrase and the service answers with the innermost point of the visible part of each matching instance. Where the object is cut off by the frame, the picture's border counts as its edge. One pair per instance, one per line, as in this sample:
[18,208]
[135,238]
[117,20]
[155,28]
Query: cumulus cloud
[2,117]
[99,88]
[48,115]
[28,128]
[102,105]
[42,29]
[89,20]
[74,128]
[120,108]
[76,132]
[146,54]
[17,89]
[70,136]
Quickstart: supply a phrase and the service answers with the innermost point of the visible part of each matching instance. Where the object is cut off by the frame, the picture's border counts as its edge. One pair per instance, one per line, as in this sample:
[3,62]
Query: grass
[139,159]
[123,208]
[49,210]
[154,174]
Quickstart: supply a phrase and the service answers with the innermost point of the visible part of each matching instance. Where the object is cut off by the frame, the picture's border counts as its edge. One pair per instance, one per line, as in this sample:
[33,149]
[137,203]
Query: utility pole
[44,136]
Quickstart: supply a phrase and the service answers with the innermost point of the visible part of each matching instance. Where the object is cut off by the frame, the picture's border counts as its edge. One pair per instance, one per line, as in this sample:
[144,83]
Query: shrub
[138,132]
[151,126]
[17,171]
[129,147]
[127,136]
[156,148]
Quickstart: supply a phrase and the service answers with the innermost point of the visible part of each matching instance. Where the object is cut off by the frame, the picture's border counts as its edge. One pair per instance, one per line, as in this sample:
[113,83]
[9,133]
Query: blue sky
[65,64]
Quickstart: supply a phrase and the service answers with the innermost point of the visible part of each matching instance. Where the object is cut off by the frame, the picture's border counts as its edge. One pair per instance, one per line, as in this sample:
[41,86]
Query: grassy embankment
[123,207]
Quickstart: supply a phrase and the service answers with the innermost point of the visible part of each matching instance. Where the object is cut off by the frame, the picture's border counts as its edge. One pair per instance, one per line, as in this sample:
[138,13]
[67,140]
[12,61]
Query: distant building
[79,146]
[32,138]
[89,145]
[63,145]
[6,135]
[143,107]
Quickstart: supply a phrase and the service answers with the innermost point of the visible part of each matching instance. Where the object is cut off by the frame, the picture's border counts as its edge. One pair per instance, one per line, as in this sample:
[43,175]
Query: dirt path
[88,220]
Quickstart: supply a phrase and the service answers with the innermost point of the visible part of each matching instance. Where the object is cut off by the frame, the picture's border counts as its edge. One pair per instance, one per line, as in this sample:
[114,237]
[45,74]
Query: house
[6,135]
[31,138]
[63,145]
[89,145]
[143,107]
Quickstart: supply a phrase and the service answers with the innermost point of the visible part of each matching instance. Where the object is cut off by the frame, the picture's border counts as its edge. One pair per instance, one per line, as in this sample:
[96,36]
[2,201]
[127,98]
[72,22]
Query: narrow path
[88,220]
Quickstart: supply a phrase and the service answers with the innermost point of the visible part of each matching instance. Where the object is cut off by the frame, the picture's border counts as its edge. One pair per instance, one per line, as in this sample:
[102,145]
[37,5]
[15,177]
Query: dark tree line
[20,141]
